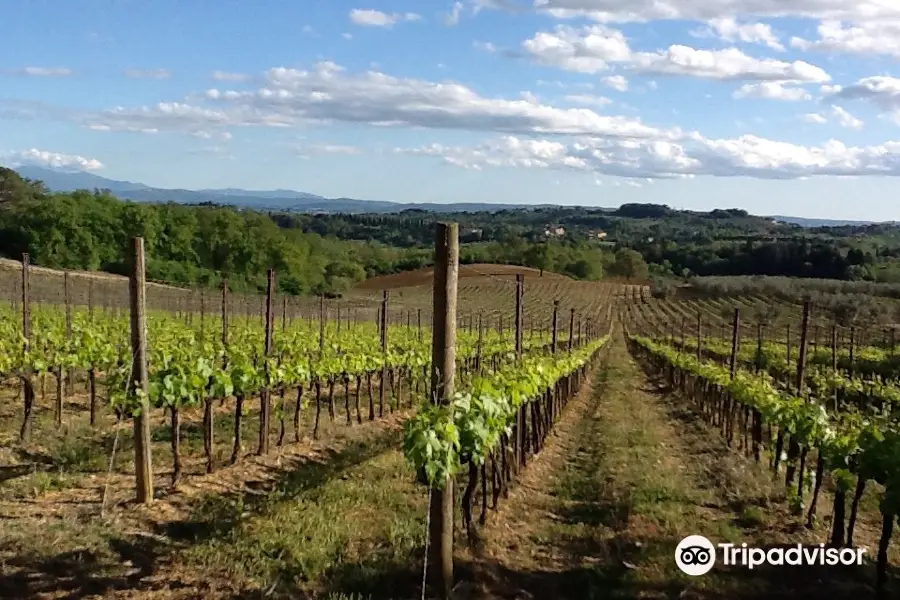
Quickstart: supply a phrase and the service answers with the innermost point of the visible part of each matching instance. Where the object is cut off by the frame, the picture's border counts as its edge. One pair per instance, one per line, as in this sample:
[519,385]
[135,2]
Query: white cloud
[881,91]
[816,118]
[452,18]
[347,36]
[164,116]
[586,50]
[588,100]
[42,72]
[147,73]
[746,156]
[55,160]
[595,48]
[845,119]
[376,18]
[771,90]
[728,29]
[336,149]
[226,76]
[838,114]
[211,135]
[871,37]
[616,82]
[327,94]
[701,10]
[728,64]
[484,47]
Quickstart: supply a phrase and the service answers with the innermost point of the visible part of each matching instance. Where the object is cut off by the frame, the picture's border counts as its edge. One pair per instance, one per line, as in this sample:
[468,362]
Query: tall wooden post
[788,343]
[265,405]
[225,319]
[571,328]
[735,341]
[67,292]
[554,324]
[27,382]
[834,361]
[699,336]
[321,324]
[382,388]
[519,427]
[519,315]
[443,371]
[801,360]
[140,378]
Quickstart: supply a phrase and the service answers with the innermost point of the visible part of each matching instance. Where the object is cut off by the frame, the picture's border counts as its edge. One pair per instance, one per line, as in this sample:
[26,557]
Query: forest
[319,253]
[199,245]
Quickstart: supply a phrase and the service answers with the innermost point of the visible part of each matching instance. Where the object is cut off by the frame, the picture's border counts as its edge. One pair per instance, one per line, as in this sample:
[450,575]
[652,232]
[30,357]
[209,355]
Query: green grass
[336,527]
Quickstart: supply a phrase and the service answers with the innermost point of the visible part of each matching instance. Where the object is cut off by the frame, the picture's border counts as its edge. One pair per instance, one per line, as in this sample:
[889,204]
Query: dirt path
[625,477]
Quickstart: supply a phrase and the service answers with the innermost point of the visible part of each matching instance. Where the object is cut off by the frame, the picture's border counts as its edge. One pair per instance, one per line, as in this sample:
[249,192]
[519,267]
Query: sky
[785,107]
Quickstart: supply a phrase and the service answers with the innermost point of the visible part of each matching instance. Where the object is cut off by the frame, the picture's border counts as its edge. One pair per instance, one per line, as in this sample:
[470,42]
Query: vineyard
[819,408]
[173,443]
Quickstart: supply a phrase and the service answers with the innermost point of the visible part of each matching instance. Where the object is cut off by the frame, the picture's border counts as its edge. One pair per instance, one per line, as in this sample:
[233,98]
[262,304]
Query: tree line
[199,245]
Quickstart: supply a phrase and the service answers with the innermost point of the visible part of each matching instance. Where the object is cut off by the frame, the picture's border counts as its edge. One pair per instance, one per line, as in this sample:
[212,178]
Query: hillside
[426,276]
[285,200]
[297,201]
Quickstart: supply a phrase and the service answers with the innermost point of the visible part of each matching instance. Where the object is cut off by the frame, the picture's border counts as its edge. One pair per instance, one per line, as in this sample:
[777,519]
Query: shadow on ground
[127,562]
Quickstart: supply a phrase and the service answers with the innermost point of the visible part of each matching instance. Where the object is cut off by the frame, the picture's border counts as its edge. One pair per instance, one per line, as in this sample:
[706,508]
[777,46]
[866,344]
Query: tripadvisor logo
[696,555]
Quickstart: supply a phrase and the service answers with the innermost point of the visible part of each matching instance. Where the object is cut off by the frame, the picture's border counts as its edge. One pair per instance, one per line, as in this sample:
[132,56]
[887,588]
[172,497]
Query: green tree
[630,264]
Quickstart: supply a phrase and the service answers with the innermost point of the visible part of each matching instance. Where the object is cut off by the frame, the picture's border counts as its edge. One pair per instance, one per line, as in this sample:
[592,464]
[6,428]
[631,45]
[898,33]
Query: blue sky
[776,106]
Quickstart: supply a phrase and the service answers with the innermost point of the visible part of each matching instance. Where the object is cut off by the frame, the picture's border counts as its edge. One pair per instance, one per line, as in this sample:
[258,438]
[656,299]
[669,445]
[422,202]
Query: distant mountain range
[803,222]
[289,200]
[286,200]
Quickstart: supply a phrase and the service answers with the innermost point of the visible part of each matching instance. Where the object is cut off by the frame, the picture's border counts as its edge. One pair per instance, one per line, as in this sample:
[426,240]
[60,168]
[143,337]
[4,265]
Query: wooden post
[735,340]
[555,323]
[699,336]
[140,378]
[571,328]
[265,406]
[519,315]
[759,346]
[419,322]
[27,383]
[67,291]
[834,361]
[801,360]
[788,343]
[519,426]
[443,370]
[202,313]
[794,450]
[382,387]
[321,324]
[225,319]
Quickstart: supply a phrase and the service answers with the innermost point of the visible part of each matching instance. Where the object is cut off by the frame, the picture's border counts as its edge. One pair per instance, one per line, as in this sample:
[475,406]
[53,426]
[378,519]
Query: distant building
[555,231]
